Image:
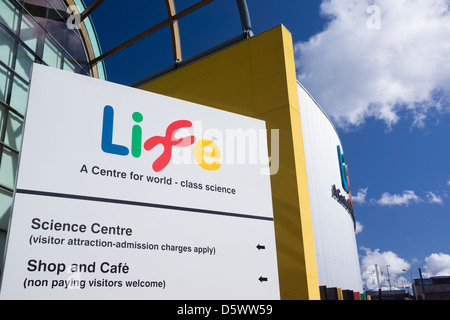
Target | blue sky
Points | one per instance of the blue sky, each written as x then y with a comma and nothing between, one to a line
379,68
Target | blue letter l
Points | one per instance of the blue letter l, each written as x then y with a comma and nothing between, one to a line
107,134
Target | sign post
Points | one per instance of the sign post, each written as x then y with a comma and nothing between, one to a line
126,194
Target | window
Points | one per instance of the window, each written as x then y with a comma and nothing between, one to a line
13,133
19,95
5,208
30,32
24,61
69,64
9,14
2,244
8,167
2,117
6,47
4,83
51,56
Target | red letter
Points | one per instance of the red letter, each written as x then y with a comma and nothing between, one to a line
168,141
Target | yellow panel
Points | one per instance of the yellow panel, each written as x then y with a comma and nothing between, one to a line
340,294
257,78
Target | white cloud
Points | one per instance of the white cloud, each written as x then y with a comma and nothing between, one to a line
395,264
437,264
355,71
432,198
359,227
360,196
448,182
404,199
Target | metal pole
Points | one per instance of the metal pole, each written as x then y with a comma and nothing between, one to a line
174,30
389,278
90,9
245,18
423,287
412,285
378,280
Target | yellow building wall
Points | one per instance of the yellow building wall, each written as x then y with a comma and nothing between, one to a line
257,78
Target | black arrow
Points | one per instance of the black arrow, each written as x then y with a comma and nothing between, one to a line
262,279
260,247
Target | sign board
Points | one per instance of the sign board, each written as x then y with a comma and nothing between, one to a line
126,194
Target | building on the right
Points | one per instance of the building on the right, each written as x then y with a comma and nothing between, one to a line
394,294
433,288
332,213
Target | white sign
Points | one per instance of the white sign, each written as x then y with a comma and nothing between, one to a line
126,194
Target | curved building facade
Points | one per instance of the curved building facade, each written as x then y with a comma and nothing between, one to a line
34,31
330,199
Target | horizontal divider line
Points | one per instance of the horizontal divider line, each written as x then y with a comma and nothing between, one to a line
139,204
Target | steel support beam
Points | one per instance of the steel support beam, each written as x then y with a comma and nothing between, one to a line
245,18
90,9
174,30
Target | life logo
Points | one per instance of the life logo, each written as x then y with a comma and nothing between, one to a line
343,168
169,141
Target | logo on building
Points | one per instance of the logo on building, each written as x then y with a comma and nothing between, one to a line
343,169
336,193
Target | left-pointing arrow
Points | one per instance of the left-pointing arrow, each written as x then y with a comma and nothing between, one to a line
262,279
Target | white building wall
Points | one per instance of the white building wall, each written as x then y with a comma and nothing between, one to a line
333,227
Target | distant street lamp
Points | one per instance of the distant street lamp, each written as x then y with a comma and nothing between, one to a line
412,283
389,278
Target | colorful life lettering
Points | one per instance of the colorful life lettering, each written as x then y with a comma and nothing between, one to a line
343,168
168,142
